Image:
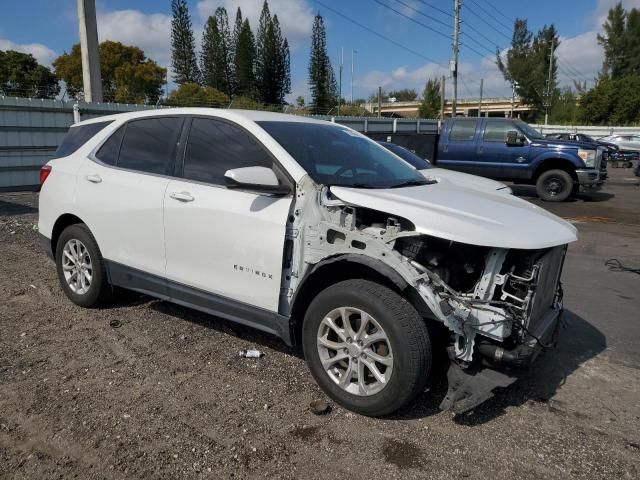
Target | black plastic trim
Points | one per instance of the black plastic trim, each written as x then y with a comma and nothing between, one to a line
211,303
45,245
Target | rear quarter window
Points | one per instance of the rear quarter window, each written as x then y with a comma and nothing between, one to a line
78,136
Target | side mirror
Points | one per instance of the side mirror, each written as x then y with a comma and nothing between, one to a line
513,138
257,179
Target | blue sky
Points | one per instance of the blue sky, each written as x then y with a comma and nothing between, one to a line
378,62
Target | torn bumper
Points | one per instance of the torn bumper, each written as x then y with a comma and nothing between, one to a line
471,386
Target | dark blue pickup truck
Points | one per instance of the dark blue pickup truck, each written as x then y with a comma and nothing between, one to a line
509,149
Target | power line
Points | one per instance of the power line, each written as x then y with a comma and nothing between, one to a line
466,35
444,12
491,42
508,27
488,24
424,25
377,34
423,14
499,11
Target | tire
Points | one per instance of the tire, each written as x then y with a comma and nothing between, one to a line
554,185
406,342
89,293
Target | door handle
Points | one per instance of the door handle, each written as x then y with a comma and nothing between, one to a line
445,148
182,196
94,178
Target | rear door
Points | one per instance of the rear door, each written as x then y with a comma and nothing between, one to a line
457,146
121,191
500,160
225,243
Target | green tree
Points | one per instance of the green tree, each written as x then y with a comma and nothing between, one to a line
183,46
194,95
127,74
564,107
216,60
22,76
322,80
245,59
272,66
404,95
431,98
613,42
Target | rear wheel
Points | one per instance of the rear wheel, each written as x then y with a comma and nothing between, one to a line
366,346
554,185
80,267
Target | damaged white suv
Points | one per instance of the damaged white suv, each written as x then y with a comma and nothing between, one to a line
310,231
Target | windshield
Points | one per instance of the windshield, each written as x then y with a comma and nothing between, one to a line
530,132
336,155
407,155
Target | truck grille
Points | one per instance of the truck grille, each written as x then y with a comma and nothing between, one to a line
549,270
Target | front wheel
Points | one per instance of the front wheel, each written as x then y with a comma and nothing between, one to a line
554,185
366,346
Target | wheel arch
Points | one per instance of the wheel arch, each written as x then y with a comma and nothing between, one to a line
555,164
62,222
346,267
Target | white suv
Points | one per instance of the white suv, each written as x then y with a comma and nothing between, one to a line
312,232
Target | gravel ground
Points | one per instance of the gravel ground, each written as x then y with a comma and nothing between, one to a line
165,395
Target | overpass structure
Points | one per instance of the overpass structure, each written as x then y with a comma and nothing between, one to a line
468,107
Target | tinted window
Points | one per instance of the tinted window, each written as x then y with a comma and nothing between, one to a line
215,146
463,130
149,145
407,155
335,155
497,131
78,136
109,150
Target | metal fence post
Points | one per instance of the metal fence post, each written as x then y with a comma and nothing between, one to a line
76,112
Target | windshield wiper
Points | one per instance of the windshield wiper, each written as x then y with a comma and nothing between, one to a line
414,183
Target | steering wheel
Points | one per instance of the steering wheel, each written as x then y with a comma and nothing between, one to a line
341,170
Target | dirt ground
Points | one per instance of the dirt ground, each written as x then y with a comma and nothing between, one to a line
165,395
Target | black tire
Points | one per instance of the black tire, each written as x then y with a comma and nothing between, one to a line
99,291
405,329
554,185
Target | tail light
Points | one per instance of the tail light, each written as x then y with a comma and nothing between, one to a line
44,173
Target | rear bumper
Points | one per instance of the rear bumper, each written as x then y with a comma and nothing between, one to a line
591,179
45,245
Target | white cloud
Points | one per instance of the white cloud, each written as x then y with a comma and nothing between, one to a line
603,6
579,57
150,32
42,53
295,16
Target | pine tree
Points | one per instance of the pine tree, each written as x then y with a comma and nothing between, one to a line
210,46
245,56
322,80
183,47
224,59
613,42
273,79
430,105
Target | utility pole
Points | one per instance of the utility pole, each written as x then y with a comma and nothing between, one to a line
353,52
442,101
92,83
379,101
548,93
454,62
341,62
480,102
513,95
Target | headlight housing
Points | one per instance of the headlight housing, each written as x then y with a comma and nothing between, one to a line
588,157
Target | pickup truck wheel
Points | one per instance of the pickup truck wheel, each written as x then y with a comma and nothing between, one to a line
80,267
554,185
366,346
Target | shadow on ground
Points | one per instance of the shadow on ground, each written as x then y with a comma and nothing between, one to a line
529,192
8,209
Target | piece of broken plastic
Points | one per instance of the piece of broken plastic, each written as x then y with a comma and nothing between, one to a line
251,353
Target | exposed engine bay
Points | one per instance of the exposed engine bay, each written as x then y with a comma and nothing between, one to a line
499,304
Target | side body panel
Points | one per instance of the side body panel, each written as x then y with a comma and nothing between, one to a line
460,155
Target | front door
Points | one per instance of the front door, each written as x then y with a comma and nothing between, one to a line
224,242
457,148
499,159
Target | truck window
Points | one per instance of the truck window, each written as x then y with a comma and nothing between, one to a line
495,131
463,130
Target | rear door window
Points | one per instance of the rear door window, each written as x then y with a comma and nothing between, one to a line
463,130
78,136
110,149
149,145
215,146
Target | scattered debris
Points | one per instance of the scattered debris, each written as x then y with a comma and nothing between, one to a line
250,353
115,323
633,445
33,286
320,407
